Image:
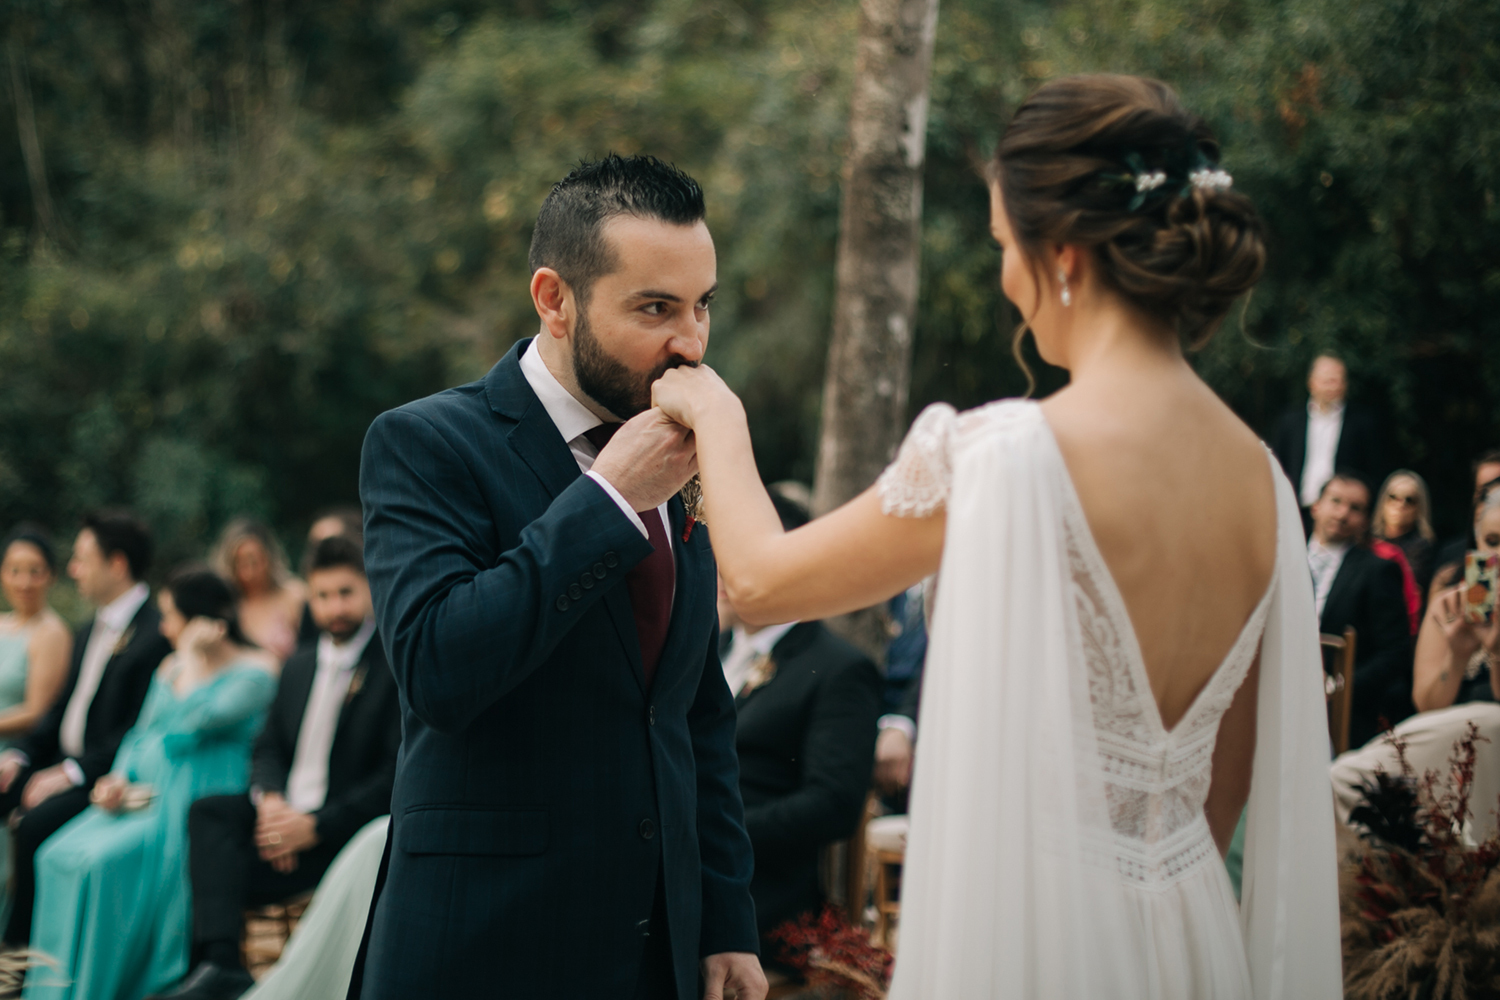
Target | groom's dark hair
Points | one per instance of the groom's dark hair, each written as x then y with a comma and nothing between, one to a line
569,233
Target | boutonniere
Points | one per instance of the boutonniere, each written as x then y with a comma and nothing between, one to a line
123,641
762,672
692,500
355,683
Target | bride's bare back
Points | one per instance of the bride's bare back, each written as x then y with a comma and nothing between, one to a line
1178,496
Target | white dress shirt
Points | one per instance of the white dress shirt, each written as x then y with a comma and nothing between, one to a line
110,625
1323,430
307,782
745,648
572,420
1324,562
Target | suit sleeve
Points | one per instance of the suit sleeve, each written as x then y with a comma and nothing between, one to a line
340,818
727,857
440,581
97,761
271,758
838,756
1386,635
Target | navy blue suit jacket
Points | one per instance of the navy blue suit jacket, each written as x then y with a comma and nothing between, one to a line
541,785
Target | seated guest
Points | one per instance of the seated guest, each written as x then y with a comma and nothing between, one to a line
904,657
323,768
1454,684
1403,517
345,520
1449,559
35,643
1354,586
270,597
111,885
806,703
51,770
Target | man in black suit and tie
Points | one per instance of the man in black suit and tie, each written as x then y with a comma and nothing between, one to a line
1354,586
51,771
566,820
322,768
807,703
1327,433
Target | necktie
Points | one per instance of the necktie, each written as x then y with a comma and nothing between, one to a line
651,581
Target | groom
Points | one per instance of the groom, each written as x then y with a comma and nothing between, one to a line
566,820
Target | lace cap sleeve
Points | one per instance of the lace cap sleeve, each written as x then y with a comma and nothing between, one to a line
916,483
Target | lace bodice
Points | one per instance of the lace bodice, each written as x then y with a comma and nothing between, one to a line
1156,781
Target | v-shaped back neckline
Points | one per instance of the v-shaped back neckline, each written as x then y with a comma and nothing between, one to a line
1120,612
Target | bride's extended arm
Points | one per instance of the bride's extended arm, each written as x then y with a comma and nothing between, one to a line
852,558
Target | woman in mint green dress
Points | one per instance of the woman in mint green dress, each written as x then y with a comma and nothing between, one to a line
112,903
35,648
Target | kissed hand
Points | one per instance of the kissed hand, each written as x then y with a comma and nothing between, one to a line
685,394
648,459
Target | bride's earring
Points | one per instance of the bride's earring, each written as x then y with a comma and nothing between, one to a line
1067,295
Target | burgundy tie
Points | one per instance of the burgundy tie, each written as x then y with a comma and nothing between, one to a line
652,580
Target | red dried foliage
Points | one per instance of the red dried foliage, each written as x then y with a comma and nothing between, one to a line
1419,902
831,953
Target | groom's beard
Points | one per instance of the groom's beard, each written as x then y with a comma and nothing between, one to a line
607,380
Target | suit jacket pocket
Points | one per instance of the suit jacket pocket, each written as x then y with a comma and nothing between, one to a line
502,832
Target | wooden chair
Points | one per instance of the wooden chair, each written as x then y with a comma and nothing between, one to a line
1338,685
266,931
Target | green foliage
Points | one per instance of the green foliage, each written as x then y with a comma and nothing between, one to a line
275,221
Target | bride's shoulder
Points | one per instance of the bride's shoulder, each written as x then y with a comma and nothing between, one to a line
918,481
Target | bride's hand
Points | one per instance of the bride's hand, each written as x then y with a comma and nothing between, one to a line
685,394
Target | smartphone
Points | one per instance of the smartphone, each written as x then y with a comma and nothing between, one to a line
1480,572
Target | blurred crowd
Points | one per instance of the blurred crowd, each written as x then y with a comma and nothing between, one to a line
213,746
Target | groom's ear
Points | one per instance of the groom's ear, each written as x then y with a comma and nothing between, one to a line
554,301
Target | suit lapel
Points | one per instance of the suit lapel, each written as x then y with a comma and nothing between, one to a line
1343,582
693,564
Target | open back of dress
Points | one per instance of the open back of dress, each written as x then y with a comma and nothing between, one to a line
1059,846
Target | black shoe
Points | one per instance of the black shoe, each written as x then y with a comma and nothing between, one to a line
209,982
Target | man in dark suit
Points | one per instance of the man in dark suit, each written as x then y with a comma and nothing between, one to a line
51,771
1327,433
566,820
807,702
322,768
1354,586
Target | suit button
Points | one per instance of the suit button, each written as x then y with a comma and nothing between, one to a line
651,716
587,581
575,591
599,571
563,603
611,560
648,829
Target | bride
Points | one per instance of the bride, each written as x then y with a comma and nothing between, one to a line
1124,651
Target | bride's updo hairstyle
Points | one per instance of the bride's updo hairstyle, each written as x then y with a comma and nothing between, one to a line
1117,164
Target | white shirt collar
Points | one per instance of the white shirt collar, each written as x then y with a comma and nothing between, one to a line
569,416
118,614
1316,414
1315,545
765,640
344,656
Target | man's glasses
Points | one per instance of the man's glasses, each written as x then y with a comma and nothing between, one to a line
1405,501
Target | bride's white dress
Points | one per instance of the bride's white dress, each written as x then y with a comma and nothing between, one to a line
1058,845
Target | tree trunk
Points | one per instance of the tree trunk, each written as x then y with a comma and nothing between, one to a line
869,360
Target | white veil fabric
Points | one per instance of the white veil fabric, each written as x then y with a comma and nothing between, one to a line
1011,887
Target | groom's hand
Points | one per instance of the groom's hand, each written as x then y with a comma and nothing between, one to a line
648,459
733,974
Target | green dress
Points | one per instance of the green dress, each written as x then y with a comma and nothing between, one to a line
14,657
112,902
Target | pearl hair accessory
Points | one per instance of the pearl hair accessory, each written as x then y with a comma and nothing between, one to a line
1151,181
1211,179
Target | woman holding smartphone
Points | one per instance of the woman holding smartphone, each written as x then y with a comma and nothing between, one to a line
1455,681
